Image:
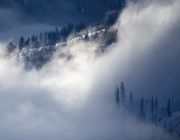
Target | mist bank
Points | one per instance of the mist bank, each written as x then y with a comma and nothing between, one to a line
75,99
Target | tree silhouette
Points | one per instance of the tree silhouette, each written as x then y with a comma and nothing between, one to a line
11,47
122,89
169,107
131,100
152,109
156,109
142,112
21,43
117,95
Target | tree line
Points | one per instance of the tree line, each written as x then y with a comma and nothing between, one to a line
47,38
146,109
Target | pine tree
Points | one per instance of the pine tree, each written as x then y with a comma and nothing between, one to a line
152,109
131,100
122,88
142,113
21,43
11,47
156,109
41,38
117,95
46,38
27,42
169,107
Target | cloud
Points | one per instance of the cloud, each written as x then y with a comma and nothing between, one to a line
74,99
150,34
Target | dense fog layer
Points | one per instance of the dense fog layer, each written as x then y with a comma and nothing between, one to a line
74,99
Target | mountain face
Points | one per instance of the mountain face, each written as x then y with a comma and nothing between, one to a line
71,15
56,11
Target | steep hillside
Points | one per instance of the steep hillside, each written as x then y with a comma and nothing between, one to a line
172,124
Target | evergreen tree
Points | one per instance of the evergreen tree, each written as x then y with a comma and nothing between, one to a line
131,100
27,42
41,37
11,47
46,38
122,88
169,107
152,109
79,27
21,43
156,109
142,113
117,95
65,31
57,34
33,39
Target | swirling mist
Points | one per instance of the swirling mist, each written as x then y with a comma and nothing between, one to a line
73,99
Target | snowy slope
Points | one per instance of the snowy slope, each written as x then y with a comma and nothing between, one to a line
172,124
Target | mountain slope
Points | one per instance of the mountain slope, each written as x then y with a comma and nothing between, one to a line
172,124
53,10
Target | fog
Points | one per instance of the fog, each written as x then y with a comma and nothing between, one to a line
74,99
